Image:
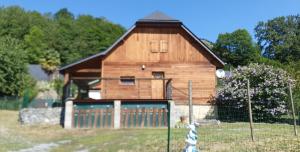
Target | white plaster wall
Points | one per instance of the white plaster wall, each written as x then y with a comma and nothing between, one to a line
199,112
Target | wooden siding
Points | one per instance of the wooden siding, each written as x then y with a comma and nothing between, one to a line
182,60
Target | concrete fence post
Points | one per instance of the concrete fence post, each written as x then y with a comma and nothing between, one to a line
117,114
68,114
172,114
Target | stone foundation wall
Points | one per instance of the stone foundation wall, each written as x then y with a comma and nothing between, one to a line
33,116
199,112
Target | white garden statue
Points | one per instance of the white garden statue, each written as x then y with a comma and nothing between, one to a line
191,138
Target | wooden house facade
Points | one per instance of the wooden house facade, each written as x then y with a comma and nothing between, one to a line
152,61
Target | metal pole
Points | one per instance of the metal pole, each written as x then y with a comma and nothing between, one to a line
190,102
250,109
169,126
293,109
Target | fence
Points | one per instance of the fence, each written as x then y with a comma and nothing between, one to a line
96,115
145,116
10,103
131,114
247,126
100,118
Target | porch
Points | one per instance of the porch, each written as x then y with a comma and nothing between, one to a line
89,89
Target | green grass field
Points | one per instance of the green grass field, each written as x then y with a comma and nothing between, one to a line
226,137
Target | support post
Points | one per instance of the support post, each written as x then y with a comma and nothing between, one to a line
68,114
117,114
293,109
169,126
190,102
65,87
250,110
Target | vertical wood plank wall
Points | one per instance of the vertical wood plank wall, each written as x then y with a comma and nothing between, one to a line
184,60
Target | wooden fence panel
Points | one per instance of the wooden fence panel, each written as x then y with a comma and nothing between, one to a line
96,118
142,117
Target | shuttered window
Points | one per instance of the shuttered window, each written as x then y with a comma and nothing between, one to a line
154,46
158,46
163,46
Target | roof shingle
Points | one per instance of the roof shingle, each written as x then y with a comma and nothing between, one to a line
158,16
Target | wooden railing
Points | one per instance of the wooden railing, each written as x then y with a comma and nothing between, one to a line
139,88
117,88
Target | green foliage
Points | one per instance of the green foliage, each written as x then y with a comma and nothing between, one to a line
50,60
268,91
83,36
279,38
236,48
13,67
35,45
208,43
294,69
72,37
58,84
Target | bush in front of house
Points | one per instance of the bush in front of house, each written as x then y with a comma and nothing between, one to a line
268,91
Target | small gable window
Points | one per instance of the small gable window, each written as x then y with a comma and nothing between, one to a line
127,80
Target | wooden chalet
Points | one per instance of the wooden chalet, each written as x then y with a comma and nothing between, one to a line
153,61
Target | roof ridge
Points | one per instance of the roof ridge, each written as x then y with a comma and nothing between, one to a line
157,16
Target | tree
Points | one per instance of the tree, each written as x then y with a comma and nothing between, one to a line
35,45
279,38
50,61
14,22
63,14
268,91
13,67
208,43
73,37
236,48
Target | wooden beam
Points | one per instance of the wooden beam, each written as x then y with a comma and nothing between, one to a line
85,78
66,78
88,71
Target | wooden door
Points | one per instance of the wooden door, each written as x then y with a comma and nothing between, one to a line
157,85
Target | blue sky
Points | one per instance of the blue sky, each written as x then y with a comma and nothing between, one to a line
205,18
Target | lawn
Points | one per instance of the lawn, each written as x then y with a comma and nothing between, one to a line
226,137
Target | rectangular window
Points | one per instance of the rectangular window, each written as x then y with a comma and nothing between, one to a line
154,46
127,80
163,46
158,75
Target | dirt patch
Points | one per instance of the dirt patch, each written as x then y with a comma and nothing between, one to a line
44,147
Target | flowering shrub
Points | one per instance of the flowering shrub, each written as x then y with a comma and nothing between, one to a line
268,91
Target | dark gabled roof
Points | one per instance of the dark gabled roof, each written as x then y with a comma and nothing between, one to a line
37,72
157,16
154,17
